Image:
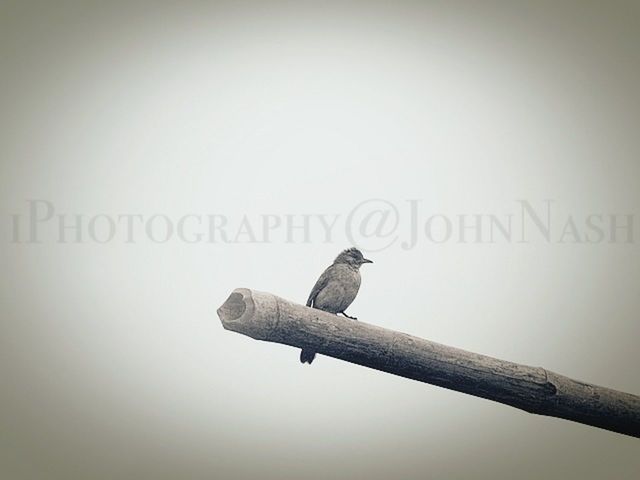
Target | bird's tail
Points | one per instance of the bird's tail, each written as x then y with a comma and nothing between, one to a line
307,356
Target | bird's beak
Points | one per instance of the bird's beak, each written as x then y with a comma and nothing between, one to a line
366,260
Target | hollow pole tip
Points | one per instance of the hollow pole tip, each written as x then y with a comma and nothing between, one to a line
235,306
250,312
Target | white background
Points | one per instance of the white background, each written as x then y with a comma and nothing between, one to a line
113,361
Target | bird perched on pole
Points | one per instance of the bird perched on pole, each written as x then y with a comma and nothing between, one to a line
336,288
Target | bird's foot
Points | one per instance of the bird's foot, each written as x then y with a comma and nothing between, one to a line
348,316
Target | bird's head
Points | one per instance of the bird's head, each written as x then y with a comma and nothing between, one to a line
352,257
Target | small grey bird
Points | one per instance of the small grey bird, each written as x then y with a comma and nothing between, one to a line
336,288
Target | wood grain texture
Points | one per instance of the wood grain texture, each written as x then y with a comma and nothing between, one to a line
264,316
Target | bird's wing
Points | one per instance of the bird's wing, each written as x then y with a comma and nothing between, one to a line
320,284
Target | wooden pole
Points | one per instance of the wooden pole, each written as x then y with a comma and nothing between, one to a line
264,316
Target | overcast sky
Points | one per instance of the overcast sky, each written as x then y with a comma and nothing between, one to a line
221,122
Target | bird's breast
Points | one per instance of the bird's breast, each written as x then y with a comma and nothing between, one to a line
340,290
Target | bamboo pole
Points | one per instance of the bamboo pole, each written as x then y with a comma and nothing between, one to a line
264,316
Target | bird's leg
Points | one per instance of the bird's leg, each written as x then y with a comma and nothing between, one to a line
348,316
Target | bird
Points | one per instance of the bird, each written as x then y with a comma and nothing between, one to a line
336,289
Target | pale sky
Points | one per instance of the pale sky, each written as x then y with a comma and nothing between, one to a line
114,362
